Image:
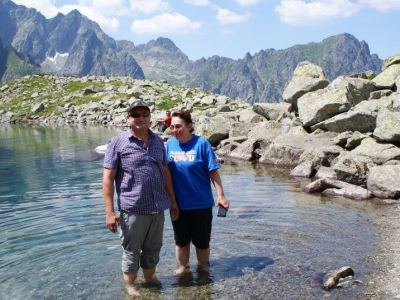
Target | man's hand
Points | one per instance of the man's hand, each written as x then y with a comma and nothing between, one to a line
112,221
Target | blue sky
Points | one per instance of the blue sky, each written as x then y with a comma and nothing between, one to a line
231,28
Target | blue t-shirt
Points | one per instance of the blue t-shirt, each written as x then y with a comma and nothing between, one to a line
190,164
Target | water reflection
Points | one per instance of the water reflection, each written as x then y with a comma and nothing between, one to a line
275,242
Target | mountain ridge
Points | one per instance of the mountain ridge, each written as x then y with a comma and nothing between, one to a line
261,77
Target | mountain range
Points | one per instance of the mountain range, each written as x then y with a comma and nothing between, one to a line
73,45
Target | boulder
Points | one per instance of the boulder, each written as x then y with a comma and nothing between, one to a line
213,129
304,169
37,107
286,149
272,111
248,116
391,60
387,126
380,153
326,172
337,188
341,94
383,181
353,166
387,78
362,120
307,77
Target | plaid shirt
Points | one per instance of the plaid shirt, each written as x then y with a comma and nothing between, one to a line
139,181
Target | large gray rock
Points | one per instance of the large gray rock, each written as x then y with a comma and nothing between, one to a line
286,149
249,116
387,126
307,77
380,153
362,120
238,129
391,60
304,169
387,78
259,138
338,97
332,187
272,111
37,108
326,172
353,167
383,181
214,129
355,140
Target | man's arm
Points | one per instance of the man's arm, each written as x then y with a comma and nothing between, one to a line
112,219
174,210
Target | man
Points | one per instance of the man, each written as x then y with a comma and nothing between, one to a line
163,124
135,160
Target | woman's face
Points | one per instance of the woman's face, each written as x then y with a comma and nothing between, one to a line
180,129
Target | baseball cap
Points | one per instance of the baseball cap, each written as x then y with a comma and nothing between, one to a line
138,103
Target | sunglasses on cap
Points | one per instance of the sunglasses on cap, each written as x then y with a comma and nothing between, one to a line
135,114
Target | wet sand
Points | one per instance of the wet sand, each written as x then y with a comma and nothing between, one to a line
385,284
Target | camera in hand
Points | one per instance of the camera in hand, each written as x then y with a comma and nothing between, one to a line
221,211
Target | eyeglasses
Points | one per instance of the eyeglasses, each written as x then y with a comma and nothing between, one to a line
144,114
177,126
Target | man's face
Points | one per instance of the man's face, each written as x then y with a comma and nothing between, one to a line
139,118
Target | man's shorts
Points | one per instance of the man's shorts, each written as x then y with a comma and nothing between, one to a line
141,238
193,226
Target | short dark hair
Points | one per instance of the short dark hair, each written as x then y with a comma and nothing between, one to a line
185,116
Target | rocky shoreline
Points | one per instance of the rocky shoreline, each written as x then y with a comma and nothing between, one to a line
344,134
385,283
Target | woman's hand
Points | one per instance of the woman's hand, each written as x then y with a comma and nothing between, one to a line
174,211
221,200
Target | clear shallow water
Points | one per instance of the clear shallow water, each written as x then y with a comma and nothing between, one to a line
275,242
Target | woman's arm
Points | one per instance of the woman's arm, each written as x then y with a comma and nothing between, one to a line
216,180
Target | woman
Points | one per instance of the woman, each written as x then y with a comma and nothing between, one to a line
193,163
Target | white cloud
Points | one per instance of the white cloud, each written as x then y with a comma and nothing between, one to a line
298,12
247,2
226,31
198,2
225,16
106,7
45,7
107,24
382,5
96,10
165,23
149,6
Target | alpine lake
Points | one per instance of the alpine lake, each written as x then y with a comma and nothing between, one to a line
275,243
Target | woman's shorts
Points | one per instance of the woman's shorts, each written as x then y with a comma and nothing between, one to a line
193,226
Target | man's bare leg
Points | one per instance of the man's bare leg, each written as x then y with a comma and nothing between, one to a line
182,258
129,279
203,258
150,276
